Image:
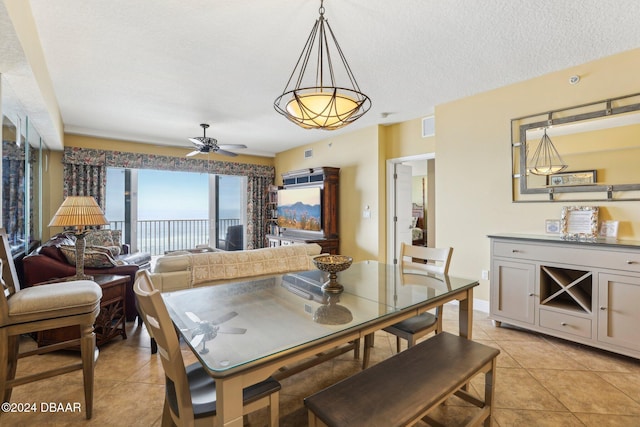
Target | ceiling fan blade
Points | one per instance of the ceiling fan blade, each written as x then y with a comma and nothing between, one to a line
193,153
230,315
196,141
196,340
231,146
226,153
226,330
194,317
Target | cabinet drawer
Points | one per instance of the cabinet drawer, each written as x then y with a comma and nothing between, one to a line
113,292
570,254
566,323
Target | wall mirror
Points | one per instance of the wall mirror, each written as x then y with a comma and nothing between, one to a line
598,143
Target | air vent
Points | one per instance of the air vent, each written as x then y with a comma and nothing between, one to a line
308,154
428,126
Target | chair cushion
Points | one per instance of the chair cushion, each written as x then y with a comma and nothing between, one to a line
53,300
203,391
417,323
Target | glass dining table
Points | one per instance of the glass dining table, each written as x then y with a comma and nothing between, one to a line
244,332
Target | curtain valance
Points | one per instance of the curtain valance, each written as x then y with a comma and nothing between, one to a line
121,159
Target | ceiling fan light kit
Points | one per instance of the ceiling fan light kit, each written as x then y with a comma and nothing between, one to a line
322,104
205,144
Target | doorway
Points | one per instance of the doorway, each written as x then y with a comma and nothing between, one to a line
410,203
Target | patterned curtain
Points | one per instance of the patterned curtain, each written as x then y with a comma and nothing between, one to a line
86,180
13,203
95,163
256,210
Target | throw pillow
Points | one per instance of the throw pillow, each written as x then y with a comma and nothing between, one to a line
105,238
94,257
99,238
116,235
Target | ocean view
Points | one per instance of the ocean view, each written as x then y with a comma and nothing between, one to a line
173,207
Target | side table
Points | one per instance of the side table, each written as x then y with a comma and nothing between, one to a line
111,319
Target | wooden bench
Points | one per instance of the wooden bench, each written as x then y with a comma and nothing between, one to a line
403,389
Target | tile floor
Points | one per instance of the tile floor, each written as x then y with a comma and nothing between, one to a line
541,381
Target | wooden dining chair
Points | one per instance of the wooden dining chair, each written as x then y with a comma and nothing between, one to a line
418,259
40,308
190,393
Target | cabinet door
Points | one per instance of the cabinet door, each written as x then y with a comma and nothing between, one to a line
512,290
618,310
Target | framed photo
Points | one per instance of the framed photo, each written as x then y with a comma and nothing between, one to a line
579,222
552,226
572,178
609,229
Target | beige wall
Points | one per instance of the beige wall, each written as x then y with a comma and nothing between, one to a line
473,174
473,185
358,155
472,146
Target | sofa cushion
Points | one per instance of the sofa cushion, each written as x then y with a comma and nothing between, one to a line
105,238
94,257
231,265
173,262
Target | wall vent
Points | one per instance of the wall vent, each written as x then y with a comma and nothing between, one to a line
428,126
308,153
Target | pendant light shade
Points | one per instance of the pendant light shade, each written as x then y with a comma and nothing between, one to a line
314,100
546,160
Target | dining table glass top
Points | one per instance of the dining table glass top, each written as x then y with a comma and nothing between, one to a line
235,324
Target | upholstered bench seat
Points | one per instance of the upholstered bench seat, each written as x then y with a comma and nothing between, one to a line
404,388
53,300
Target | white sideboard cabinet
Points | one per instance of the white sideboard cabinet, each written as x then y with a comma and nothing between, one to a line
587,292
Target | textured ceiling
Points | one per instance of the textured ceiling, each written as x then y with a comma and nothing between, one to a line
151,71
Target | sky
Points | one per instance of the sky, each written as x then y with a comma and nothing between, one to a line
172,195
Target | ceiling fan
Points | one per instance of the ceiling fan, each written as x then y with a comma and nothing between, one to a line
208,330
210,145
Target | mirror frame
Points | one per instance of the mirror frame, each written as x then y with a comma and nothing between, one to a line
519,128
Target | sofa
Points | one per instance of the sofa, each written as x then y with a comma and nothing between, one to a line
56,259
182,270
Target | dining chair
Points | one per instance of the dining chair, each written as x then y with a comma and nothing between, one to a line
40,308
190,393
417,259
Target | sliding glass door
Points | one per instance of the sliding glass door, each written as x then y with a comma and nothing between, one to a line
161,211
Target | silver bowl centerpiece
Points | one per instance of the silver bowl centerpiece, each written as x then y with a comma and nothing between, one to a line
332,264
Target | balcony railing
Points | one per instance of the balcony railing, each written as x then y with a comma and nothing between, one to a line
159,236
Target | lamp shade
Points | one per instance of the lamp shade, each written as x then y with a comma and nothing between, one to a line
78,211
324,110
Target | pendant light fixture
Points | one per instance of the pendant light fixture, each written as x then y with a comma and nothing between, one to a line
317,101
546,160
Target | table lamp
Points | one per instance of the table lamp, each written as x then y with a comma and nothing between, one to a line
79,212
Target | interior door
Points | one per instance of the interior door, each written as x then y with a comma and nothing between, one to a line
402,214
